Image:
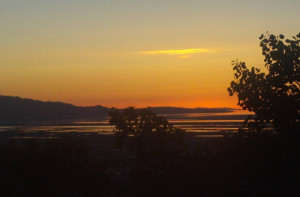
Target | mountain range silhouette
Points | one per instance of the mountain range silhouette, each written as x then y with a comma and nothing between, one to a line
16,109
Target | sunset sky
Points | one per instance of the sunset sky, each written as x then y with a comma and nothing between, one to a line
118,53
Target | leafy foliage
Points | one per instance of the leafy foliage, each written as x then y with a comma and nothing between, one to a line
144,131
275,95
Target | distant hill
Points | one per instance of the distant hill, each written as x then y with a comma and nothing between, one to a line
181,110
24,111
16,109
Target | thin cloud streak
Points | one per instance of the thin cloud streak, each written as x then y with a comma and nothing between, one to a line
177,52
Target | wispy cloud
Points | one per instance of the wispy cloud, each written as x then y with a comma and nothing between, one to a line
183,53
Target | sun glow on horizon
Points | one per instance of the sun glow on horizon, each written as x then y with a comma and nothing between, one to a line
140,53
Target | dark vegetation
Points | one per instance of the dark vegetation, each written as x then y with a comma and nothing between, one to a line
152,137
53,167
152,158
273,96
85,164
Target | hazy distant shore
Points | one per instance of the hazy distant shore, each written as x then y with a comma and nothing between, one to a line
17,111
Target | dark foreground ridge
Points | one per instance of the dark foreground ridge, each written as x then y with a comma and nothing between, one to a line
88,164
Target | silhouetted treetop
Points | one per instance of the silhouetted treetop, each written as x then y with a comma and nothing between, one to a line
145,132
274,95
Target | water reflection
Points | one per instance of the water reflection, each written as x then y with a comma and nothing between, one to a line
191,122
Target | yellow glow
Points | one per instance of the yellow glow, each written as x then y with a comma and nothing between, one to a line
183,56
178,52
130,55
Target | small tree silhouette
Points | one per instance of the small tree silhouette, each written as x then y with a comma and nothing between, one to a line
273,96
145,132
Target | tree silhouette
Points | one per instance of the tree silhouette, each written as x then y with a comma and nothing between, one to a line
275,95
144,131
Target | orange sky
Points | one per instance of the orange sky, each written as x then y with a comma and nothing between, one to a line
141,53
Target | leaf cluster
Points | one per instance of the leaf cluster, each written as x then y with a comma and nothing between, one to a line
275,95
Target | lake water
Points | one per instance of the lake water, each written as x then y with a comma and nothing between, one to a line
206,123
